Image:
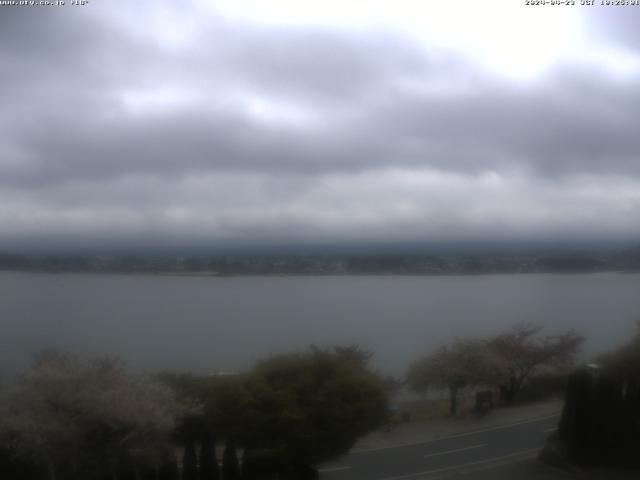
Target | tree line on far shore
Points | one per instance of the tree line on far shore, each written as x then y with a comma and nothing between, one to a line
71,418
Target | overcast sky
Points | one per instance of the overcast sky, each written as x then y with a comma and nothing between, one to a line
176,122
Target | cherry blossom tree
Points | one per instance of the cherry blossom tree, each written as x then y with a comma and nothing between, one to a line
463,364
89,414
525,352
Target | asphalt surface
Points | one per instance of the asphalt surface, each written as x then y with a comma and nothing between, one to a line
459,454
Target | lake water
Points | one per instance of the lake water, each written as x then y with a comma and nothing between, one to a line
206,323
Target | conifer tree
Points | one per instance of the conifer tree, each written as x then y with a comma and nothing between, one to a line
189,462
169,468
230,465
208,461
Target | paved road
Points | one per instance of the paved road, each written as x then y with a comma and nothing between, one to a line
445,456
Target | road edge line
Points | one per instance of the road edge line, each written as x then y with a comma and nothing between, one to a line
464,465
455,435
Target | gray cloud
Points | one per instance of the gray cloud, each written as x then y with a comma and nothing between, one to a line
615,24
292,131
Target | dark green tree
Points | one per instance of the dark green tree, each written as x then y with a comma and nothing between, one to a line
308,408
600,423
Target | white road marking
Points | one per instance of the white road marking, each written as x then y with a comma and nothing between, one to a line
333,469
456,450
458,435
462,465
491,429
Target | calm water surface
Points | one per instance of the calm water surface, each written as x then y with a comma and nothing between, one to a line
205,323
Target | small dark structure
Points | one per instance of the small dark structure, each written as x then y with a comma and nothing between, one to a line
484,402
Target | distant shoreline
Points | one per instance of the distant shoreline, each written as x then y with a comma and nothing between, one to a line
198,274
325,265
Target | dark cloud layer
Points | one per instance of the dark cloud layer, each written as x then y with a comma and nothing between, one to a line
111,123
